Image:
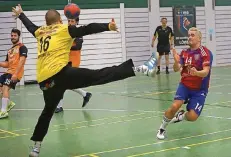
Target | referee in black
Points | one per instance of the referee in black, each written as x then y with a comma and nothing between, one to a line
165,37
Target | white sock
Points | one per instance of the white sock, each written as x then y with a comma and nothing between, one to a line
5,102
182,117
80,91
60,103
165,122
37,145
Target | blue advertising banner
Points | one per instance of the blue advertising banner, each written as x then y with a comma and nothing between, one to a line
184,17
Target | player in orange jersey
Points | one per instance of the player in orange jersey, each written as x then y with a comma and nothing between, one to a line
15,61
75,55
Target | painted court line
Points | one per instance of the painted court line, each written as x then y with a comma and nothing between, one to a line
170,92
109,118
93,109
107,110
120,110
158,93
7,137
175,148
147,94
109,123
115,110
93,155
86,126
9,132
95,120
100,124
217,117
101,119
94,125
156,143
12,136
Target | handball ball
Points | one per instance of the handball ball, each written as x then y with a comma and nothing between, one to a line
72,11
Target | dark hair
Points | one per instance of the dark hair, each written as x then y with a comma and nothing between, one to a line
14,30
77,19
52,16
163,18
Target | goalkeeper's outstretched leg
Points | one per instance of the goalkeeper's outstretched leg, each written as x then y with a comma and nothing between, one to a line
149,67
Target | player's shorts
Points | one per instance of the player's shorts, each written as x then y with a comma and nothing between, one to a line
5,79
75,58
163,49
196,98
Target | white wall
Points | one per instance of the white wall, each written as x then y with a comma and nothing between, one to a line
223,38
137,34
7,22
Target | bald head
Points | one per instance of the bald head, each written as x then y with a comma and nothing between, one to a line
52,16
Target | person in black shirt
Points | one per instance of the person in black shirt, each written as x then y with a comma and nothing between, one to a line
165,42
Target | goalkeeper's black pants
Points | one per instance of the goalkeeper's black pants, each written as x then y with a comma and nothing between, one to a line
73,78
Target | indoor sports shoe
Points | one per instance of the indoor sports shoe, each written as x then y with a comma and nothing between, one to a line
152,62
58,109
10,106
149,67
86,99
35,150
3,114
178,118
140,69
161,134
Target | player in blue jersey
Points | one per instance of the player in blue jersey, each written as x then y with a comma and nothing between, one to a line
195,64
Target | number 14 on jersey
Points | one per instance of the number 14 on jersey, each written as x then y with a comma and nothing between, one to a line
188,61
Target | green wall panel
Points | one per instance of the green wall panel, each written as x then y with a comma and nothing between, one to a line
59,4
33,4
170,3
95,4
223,2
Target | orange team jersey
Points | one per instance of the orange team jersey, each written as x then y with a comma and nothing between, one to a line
13,58
75,52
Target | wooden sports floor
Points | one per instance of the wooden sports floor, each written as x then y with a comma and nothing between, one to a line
121,120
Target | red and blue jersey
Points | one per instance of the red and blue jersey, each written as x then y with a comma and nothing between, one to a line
195,58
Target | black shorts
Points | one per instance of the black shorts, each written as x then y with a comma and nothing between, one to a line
5,79
163,49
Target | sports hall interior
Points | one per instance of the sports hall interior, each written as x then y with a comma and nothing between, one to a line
122,118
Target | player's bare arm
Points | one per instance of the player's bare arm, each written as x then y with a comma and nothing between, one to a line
202,73
22,60
21,63
4,64
171,41
153,41
176,65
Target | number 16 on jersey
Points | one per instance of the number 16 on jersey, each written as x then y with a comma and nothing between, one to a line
44,44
